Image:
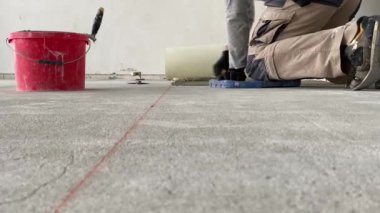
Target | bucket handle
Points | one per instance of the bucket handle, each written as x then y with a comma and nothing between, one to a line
47,61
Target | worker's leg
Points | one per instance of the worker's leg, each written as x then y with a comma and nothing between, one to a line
239,19
281,48
239,15
290,20
315,55
344,14
341,17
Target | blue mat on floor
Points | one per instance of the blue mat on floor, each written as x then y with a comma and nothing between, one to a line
253,84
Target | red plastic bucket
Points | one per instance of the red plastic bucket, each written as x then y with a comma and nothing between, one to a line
49,60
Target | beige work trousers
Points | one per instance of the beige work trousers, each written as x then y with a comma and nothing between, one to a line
304,42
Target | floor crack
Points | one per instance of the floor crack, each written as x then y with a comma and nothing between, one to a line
33,192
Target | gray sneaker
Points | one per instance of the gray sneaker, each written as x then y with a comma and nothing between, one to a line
364,53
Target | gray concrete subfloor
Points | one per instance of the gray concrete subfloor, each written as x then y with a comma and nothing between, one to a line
309,149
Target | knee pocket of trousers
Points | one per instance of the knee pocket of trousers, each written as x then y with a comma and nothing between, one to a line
256,69
270,26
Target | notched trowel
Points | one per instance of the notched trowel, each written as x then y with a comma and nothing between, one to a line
138,80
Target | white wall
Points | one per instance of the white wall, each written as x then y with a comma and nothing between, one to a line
134,34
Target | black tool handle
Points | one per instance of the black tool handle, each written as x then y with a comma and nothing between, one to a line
97,22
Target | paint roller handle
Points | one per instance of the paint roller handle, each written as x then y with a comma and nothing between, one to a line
97,22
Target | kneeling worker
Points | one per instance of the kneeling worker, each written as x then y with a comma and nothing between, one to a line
302,39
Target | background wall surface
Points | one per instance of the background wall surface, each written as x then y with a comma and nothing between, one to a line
134,33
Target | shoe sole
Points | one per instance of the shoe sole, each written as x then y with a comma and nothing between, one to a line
373,75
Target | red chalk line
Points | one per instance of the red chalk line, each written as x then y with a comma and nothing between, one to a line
79,185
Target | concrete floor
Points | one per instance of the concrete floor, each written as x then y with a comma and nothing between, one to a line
309,149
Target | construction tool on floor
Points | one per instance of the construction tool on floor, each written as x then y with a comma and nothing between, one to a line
138,80
251,84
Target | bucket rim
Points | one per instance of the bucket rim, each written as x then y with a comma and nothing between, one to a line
29,34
